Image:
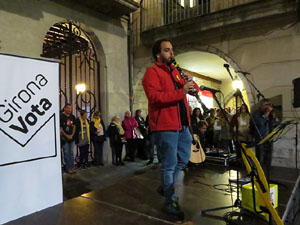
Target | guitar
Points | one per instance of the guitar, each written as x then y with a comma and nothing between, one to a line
197,153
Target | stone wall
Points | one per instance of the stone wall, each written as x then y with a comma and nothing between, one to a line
25,23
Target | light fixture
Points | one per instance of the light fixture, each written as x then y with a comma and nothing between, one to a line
191,3
182,3
237,84
80,88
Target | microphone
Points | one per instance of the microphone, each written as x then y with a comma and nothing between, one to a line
203,88
227,68
239,71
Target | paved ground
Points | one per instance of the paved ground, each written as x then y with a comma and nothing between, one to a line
127,196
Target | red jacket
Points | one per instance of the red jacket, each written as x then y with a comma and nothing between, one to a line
163,99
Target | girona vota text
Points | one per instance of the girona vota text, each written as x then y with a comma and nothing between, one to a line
10,109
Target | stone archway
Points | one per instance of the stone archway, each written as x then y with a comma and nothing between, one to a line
221,54
140,100
82,61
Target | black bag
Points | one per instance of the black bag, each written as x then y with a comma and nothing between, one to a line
100,138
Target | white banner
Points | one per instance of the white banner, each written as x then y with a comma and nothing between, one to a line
29,135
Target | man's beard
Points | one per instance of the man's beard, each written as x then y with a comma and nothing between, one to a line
167,61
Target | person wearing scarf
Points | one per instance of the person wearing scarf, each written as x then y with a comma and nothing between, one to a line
83,138
98,136
116,136
141,142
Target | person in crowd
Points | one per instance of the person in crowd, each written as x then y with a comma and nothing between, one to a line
116,136
129,124
210,129
230,111
152,143
201,132
98,137
216,129
67,131
274,120
195,118
190,110
261,120
141,142
82,138
169,119
224,139
242,119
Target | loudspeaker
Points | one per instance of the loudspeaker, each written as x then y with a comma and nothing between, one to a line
296,83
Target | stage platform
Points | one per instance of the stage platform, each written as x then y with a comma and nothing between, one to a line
127,196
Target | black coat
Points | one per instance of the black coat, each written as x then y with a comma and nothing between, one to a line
93,132
142,125
114,134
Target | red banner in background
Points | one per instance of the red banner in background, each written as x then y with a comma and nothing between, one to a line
206,94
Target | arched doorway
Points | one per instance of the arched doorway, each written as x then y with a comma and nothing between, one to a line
69,43
208,70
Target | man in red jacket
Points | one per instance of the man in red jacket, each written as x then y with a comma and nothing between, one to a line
169,118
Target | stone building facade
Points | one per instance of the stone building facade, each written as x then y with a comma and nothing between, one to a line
260,37
25,24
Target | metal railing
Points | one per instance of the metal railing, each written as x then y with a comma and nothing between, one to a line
156,13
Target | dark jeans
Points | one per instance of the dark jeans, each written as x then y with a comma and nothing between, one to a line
131,148
98,153
153,146
68,149
84,154
141,151
264,156
113,153
116,151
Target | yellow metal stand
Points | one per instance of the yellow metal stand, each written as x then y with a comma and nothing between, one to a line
254,168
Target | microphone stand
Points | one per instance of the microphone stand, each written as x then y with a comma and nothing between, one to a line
238,94
237,202
259,94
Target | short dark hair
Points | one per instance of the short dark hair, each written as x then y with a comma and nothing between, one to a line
82,112
67,104
137,112
202,123
96,113
264,100
156,48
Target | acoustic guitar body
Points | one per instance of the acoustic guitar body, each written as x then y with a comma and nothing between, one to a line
197,153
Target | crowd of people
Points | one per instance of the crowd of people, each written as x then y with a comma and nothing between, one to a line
216,129
172,121
168,127
133,132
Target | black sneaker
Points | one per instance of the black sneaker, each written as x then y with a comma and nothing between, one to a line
150,162
173,209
